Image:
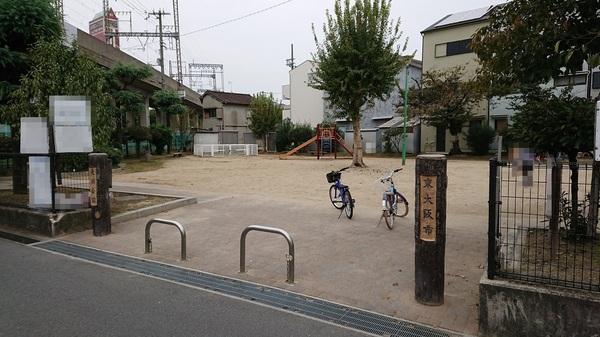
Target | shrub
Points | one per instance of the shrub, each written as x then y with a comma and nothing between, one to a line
161,137
138,134
290,135
115,155
480,138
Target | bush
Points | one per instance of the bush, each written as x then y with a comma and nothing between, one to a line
290,135
115,155
139,133
480,138
161,137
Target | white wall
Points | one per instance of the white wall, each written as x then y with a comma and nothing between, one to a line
307,104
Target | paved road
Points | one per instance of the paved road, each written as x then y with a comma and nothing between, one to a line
44,294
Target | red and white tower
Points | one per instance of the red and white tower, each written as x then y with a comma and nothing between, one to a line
98,29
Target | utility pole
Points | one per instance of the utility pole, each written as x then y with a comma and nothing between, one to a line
160,15
405,115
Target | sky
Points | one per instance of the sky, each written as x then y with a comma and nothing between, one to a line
254,49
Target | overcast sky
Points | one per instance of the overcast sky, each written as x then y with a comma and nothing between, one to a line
253,50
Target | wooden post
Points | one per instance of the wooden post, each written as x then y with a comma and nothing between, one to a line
430,228
100,182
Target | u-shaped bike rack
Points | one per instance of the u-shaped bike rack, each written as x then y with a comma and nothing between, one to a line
148,239
289,257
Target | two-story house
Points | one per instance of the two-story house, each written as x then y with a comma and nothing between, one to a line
227,111
446,44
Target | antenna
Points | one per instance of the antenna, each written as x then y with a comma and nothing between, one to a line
290,62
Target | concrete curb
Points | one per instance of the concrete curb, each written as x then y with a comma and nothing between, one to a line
144,212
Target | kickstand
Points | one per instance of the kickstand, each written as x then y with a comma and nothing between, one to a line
341,211
381,217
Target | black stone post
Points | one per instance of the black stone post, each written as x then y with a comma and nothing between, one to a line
430,228
100,182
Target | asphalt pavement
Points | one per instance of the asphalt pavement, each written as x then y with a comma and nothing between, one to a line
45,294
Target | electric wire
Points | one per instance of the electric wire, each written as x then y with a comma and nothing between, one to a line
238,18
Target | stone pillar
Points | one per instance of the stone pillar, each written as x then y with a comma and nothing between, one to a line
100,183
145,117
430,228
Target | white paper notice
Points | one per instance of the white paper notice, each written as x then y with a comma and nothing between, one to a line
34,135
40,187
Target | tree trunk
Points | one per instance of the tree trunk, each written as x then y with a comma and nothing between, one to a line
455,145
575,225
592,221
170,141
357,155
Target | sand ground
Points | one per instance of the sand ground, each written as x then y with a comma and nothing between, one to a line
355,262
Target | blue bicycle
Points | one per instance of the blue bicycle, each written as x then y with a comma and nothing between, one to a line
339,194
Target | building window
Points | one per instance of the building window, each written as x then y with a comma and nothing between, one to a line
210,113
458,47
563,81
596,80
453,48
501,125
311,78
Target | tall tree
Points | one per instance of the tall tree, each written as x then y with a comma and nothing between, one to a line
168,102
528,42
265,115
58,69
445,99
22,24
358,60
126,100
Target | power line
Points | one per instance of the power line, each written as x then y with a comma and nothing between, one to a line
238,18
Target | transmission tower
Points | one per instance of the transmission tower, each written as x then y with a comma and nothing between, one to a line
177,42
161,34
208,70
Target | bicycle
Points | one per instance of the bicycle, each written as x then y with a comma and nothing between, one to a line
393,202
339,194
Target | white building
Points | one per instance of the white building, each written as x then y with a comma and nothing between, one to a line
307,105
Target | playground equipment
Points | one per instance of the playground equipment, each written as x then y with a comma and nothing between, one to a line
326,138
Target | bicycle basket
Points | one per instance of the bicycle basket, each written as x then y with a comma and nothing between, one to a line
333,176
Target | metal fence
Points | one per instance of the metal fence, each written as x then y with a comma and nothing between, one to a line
65,174
538,233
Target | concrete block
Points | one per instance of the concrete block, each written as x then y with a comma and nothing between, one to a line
509,309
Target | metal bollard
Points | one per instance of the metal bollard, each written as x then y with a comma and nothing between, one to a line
290,257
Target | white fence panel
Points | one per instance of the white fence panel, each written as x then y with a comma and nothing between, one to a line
220,150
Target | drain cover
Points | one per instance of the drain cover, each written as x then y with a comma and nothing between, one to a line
312,307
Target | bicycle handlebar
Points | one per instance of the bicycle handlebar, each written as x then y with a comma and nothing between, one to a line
388,177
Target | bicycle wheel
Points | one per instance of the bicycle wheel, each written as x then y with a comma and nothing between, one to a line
401,206
389,209
349,205
335,197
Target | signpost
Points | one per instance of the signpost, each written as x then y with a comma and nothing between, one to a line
404,135
430,228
